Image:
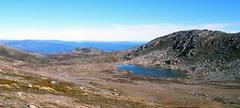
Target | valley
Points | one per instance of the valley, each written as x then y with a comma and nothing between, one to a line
91,79
119,54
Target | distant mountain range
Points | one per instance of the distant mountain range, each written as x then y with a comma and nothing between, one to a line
55,46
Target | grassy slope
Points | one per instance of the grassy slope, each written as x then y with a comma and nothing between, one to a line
9,54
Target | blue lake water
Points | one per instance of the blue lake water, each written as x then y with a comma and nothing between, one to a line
150,71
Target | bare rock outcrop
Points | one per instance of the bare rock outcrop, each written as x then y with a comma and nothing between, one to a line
209,55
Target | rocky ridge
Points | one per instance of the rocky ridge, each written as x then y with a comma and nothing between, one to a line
205,54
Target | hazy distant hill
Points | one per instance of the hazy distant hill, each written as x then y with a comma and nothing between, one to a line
212,55
10,54
54,46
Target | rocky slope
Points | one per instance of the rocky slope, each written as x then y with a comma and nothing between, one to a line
205,54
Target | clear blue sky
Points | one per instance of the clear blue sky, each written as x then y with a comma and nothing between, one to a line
55,14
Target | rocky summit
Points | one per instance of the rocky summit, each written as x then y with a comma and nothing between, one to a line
204,54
